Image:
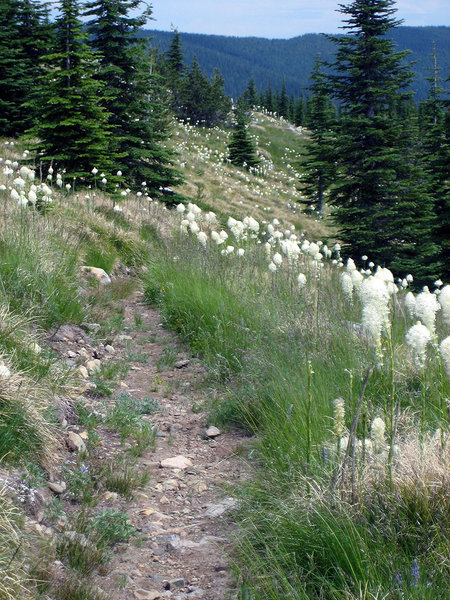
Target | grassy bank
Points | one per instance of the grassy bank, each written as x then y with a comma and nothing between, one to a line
351,498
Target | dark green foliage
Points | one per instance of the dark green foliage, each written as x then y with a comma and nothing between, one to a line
319,165
250,95
283,102
241,149
201,101
132,94
72,129
269,61
25,35
435,155
382,208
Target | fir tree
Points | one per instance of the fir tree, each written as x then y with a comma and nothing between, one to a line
72,130
241,149
319,164
25,35
132,94
378,211
250,95
269,100
435,156
12,69
283,102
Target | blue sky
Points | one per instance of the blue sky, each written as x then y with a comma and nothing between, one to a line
277,18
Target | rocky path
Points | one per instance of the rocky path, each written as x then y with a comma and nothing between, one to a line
181,514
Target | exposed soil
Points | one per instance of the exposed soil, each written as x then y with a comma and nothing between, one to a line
181,514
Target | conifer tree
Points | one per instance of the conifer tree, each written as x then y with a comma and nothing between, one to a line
241,149
319,163
25,35
12,69
435,156
72,130
269,100
132,94
378,211
250,94
283,102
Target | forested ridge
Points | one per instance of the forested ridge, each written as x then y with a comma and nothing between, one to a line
269,60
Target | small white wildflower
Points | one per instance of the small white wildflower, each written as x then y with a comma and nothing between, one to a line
301,280
444,349
119,173
444,301
339,418
417,337
202,238
272,267
347,285
240,252
277,259
377,431
118,209
94,171
426,309
5,373
410,304
409,278
104,180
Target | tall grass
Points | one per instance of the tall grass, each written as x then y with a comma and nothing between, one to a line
321,522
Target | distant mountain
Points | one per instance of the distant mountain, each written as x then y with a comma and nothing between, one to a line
271,60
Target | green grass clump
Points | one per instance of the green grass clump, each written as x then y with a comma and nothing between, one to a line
111,526
121,475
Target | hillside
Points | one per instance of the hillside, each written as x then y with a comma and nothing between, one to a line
269,60
178,389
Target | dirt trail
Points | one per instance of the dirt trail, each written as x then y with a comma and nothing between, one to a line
181,513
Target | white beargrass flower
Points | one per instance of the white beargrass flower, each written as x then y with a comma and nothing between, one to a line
193,226
357,280
426,309
409,278
223,235
190,216
210,217
5,373
119,173
444,301
19,182
32,196
240,252
94,171
301,280
117,209
277,259
410,304
272,267
347,285
372,325
438,283
350,265
180,208
313,249
377,431
417,337
229,249
444,349
202,238
15,195
339,418
194,208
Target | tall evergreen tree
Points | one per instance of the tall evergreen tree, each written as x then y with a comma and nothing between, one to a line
72,130
241,150
378,209
269,100
318,167
132,94
283,102
174,55
25,35
435,156
203,102
250,94
13,70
